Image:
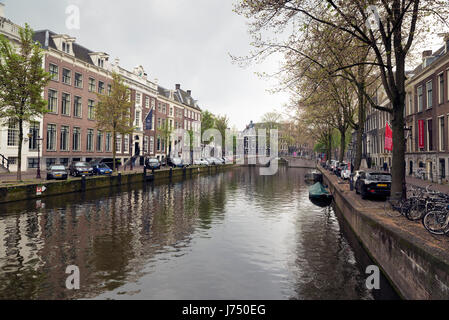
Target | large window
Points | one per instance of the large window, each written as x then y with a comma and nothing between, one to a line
92,85
151,145
100,87
90,140
79,80
429,89
420,99
76,139
108,142
441,133
118,143
65,106
137,120
145,145
441,88
99,141
52,101
77,107
126,143
429,135
66,76
34,132
64,138
91,110
13,133
54,71
51,137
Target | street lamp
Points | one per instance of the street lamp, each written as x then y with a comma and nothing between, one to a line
37,140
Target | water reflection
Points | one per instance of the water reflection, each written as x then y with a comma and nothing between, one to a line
233,235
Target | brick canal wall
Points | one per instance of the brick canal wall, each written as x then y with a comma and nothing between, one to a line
415,262
28,192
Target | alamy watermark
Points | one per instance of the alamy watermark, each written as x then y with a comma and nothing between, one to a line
73,280
73,19
373,280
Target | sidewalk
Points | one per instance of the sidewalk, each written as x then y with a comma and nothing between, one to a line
30,176
424,183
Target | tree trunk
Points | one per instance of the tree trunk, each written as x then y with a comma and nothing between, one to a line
19,155
114,144
398,185
360,130
342,143
329,146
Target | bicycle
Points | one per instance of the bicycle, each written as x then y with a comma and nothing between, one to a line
437,222
395,207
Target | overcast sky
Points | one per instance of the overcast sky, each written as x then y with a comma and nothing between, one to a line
176,41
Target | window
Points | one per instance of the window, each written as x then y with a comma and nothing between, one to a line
91,110
138,98
128,93
90,140
64,138
153,103
79,80
158,143
64,161
13,133
99,141
109,89
410,103
54,71
100,87
50,162
66,76
52,101
137,121
147,102
441,88
76,139
164,109
34,132
159,125
429,89
159,107
65,107
108,142
145,145
429,135
118,143
151,145
420,99
126,143
441,133
77,107
51,137
92,85
171,111
32,163
66,47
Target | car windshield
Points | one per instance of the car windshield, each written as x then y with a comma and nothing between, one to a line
154,161
57,168
176,160
81,164
379,177
103,166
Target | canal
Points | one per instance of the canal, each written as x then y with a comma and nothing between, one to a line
232,235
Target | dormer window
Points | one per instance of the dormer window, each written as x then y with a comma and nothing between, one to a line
66,47
100,63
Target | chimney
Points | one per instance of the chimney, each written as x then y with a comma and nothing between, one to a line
116,61
2,10
178,86
189,93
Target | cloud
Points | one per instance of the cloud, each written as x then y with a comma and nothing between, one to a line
177,41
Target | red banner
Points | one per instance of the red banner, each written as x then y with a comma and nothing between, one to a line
421,134
388,138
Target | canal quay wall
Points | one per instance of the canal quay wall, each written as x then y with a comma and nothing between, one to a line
415,262
52,188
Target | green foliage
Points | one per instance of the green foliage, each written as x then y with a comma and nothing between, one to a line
22,81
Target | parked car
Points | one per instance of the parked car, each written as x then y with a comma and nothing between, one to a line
356,176
345,173
374,183
219,161
200,162
101,168
175,163
333,165
78,169
152,163
339,168
211,161
57,172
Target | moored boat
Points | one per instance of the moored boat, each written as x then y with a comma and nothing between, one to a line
318,192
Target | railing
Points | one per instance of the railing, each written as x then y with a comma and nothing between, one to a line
5,160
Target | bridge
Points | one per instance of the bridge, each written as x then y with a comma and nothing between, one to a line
297,162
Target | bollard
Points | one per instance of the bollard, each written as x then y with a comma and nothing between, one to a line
144,173
171,173
184,172
83,183
119,178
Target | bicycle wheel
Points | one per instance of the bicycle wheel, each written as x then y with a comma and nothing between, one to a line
415,211
392,208
434,222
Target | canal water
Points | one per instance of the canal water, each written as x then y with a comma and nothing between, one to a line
231,235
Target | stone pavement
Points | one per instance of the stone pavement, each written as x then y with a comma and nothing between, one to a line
424,183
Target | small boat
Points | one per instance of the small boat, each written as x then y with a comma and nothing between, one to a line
314,176
319,195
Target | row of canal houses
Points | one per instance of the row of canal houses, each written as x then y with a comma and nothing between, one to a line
69,132
427,120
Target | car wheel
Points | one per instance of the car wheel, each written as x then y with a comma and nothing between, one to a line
364,195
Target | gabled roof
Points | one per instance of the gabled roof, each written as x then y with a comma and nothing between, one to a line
80,52
183,97
436,57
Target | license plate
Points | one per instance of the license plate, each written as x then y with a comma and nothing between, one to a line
58,175
382,185
86,172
